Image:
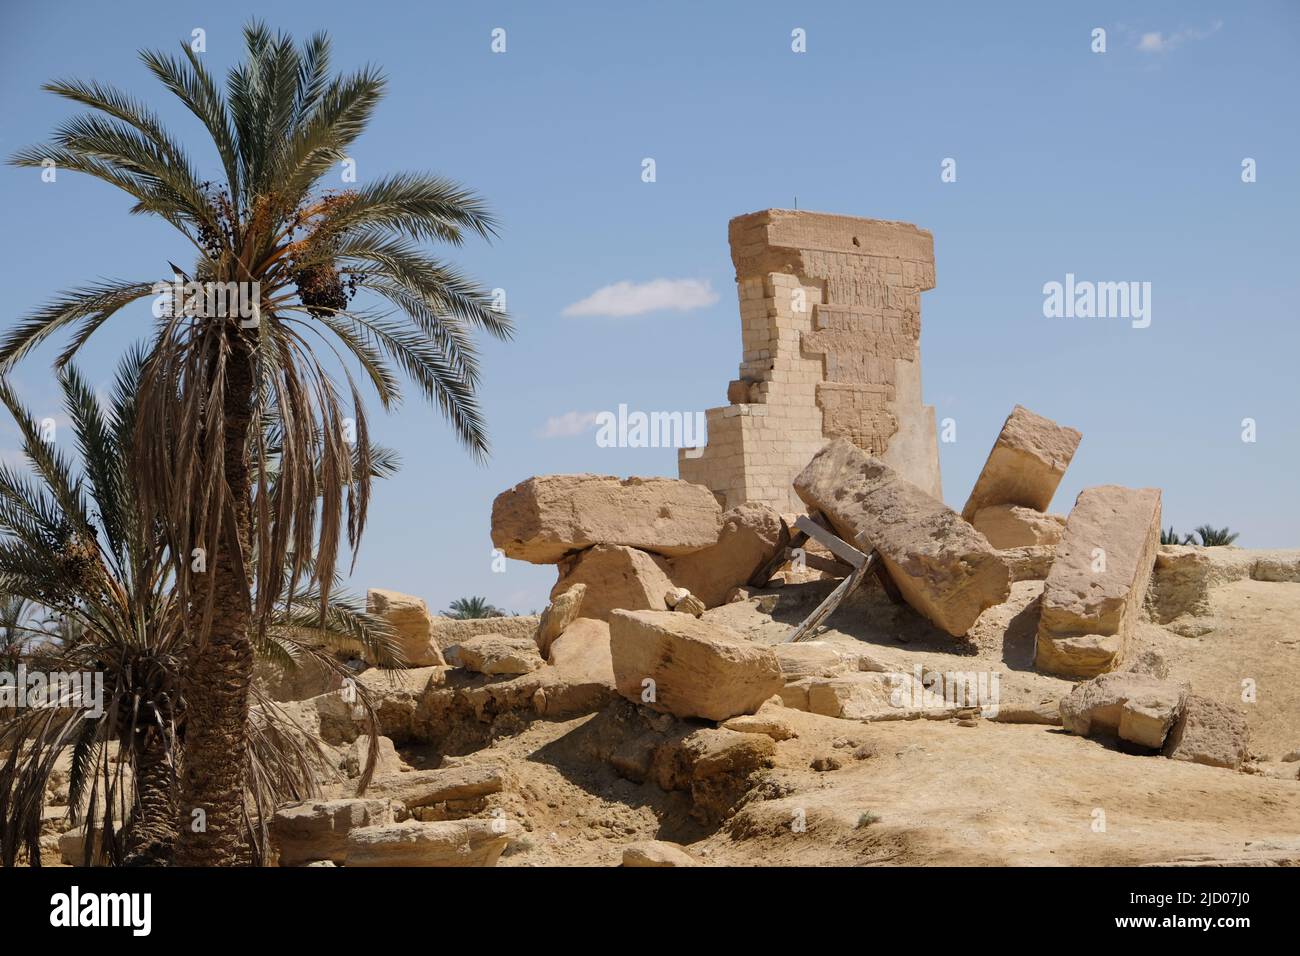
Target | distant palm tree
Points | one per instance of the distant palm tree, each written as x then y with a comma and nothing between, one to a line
18,627
473,607
1172,537
299,250
72,542
1212,537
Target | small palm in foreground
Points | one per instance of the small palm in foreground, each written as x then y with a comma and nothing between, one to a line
72,543
464,609
1212,537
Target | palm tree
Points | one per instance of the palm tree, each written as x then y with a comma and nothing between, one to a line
1212,537
1172,537
471,607
299,252
72,542
17,617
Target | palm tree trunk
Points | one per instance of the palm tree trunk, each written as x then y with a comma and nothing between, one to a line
219,671
153,831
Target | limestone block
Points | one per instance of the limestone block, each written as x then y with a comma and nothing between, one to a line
1138,708
443,843
1098,581
1014,526
564,609
412,623
547,517
318,830
616,577
1209,732
1025,465
697,669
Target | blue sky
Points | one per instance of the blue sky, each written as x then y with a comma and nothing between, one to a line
1118,166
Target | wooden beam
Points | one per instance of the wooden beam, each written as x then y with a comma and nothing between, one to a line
824,610
835,544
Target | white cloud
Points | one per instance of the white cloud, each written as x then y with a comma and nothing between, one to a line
568,425
1157,42
636,298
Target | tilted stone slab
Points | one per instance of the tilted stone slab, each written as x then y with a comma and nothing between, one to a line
698,669
944,568
545,518
1025,465
1098,581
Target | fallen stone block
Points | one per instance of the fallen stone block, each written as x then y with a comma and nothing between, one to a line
412,623
1138,708
1013,526
684,602
1028,564
396,696
1026,464
543,519
318,830
750,536
944,568
1047,712
677,664
1209,732
387,759
442,843
1098,580
656,853
564,609
616,577
495,654
824,659
424,788
767,722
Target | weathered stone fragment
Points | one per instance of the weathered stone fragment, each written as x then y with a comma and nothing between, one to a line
564,608
442,843
545,518
1209,732
944,568
410,618
1013,526
616,577
1026,464
656,853
749,538
319,830
1098,580
495,654
424,788
696,669
1138,708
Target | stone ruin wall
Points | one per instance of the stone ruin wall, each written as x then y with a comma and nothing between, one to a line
830,312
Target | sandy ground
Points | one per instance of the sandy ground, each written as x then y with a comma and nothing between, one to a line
936,792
